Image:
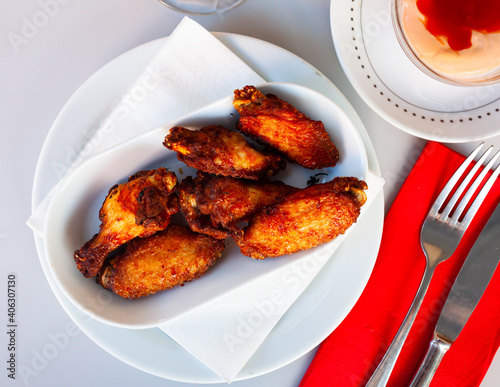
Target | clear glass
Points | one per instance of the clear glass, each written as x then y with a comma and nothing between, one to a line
479,65
201,7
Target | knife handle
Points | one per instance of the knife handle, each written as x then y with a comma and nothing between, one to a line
435,353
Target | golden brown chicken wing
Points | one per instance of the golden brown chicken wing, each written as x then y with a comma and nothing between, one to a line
137,208
215,149
215,204
304,219
166,259
229,201
277,123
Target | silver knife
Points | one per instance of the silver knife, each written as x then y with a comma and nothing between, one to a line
469,286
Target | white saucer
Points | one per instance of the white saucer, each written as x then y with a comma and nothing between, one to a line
315,314
388,82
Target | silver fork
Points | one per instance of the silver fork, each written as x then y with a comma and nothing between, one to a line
440,235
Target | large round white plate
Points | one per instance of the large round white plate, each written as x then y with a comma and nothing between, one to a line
391,85
316,313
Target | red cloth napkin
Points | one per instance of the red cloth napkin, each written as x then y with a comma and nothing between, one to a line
351,353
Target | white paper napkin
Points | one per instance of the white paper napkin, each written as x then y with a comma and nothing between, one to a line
226,333
192,69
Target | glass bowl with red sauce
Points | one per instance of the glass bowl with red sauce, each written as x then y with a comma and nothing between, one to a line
453,41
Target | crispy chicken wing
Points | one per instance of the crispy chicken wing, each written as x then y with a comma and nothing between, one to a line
277,123
196,220
229,201
166,259
215,204
304,219
215,149
137,208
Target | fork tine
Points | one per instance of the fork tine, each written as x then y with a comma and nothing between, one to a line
480,197
453,181
460,190
470,193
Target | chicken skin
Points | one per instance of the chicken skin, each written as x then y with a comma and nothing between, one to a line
229,201
215,204
137,208
166,259
195,219
277,123
304,219
215,149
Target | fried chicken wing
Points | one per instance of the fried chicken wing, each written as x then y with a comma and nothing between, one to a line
196,220
166,259
215,204
277,123
137,208
215,149
229,201
304,219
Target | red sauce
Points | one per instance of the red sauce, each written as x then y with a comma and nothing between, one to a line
456,19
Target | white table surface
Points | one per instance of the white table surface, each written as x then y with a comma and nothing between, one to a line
39,74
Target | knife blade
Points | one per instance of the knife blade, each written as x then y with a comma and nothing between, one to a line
467,290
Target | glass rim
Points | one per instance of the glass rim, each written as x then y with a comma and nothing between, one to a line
186,11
